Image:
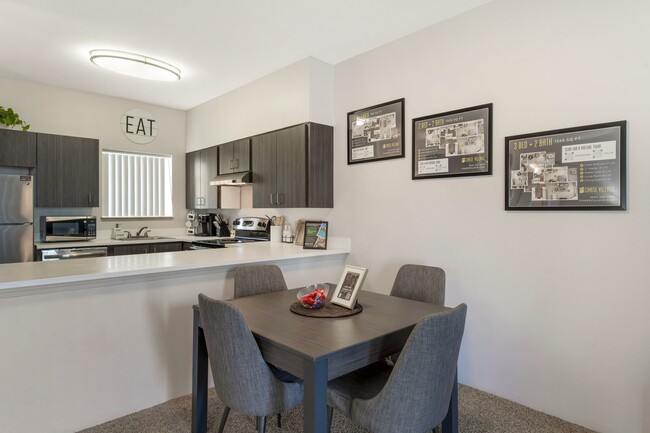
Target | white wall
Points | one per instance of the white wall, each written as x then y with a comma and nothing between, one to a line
557,301
66,112
299,93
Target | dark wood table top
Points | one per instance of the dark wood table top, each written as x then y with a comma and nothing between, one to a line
309,338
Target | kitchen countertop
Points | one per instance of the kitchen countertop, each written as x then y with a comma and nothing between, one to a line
20,279
109,242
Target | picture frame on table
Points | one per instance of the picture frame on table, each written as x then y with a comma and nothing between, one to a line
315,235
376,133
347,290
580,168
453,143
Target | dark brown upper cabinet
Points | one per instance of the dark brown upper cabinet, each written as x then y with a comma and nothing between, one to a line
201,167
293,167
17,148
67,171
235,156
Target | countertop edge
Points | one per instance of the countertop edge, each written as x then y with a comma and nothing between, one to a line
45,277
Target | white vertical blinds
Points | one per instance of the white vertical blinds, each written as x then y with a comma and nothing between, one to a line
136,184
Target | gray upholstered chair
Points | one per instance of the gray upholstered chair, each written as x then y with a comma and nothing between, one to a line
420,283
413,396
242,379
258,279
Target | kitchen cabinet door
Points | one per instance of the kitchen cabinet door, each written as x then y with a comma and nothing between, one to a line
126,250
264,170
291,168
320,166
209,170
193,180
201,167
235,156
165,247
67,171
17,148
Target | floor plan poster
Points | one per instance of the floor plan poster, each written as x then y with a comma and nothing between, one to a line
574,169
376,132
454,143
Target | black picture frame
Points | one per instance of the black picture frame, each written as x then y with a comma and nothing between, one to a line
376,133
453,143
315,235
579,168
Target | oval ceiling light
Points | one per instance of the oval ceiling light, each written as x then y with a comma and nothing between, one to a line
135,65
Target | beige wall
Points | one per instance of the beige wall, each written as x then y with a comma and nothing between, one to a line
66,112
299,93
558,301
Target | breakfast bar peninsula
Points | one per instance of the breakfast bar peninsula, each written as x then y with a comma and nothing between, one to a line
86,341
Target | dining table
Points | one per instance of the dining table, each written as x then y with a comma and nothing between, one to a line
317,349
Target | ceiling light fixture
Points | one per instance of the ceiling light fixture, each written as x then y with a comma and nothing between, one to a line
135,65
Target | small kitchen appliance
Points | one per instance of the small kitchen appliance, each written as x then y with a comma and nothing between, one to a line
205,226
68,228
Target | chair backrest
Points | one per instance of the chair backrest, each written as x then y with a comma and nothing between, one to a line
420,283
242,379
258,279
416,396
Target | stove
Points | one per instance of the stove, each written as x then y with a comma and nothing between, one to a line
251,229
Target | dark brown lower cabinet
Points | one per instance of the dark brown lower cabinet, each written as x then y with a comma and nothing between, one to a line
163,247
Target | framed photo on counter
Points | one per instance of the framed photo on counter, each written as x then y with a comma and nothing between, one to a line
454,143
376,132
315,235
347,290
581,168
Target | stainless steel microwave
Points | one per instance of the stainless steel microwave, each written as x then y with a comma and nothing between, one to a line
68,228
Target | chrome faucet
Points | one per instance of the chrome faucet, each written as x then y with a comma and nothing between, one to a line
141,230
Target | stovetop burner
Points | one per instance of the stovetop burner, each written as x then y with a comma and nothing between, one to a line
221,243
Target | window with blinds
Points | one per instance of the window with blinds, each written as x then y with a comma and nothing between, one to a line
136,185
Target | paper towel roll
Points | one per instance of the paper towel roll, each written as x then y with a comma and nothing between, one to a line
276,234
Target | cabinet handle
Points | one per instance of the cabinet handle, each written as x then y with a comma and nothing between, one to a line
230,163
278,195
236,163
89,199
271,197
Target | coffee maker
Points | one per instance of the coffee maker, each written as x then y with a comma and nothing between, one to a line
205,225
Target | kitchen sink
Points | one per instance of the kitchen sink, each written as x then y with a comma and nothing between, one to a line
144,238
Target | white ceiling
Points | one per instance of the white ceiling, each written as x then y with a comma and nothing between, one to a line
219,45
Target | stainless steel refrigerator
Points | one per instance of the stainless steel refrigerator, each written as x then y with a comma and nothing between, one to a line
16,218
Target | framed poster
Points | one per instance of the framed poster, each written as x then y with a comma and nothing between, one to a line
347,290
376,132
581,168
455,143
315,237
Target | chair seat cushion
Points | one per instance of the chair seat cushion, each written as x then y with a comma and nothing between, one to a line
364,383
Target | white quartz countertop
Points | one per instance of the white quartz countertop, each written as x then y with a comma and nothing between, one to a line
18,277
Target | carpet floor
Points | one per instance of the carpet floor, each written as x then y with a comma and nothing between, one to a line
479,412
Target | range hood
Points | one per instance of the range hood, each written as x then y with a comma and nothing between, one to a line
233,179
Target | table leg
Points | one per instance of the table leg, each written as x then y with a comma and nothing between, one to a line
199,378
315,403
450,423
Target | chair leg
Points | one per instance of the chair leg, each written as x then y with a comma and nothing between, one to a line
279,420
261,424
330,415
224,417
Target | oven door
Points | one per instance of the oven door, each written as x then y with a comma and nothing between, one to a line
73,253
